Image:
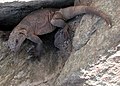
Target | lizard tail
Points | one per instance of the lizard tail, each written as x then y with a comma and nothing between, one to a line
73,11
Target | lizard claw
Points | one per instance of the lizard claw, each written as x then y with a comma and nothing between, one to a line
35,56
30,49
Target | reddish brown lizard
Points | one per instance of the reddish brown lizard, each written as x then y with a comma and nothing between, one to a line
44,21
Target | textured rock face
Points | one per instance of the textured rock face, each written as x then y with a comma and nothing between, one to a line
92,39
12,12
93,43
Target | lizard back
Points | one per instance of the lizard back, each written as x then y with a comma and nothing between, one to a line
38,21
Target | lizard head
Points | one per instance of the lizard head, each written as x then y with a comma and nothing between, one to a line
16,38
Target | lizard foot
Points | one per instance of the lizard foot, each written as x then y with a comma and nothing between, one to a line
31,50
60,40
38,50
63,34
35,53
35,57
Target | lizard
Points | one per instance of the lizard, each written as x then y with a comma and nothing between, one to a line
46,20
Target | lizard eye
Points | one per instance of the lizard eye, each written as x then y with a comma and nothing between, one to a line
16,41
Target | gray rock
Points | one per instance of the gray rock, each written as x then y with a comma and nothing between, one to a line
12,12
92,39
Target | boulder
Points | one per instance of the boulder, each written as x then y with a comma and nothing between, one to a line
94,56
92,40
12,12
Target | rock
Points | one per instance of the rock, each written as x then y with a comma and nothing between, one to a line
12,12
92,39
83,2
18,69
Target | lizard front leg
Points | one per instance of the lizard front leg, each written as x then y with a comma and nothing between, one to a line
38,41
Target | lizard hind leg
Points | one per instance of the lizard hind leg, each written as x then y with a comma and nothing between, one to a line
59,21
64,45
39,47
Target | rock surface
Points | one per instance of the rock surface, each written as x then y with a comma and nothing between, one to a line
12,12
92,39
93,42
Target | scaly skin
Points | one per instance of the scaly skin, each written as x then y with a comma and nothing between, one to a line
44,21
